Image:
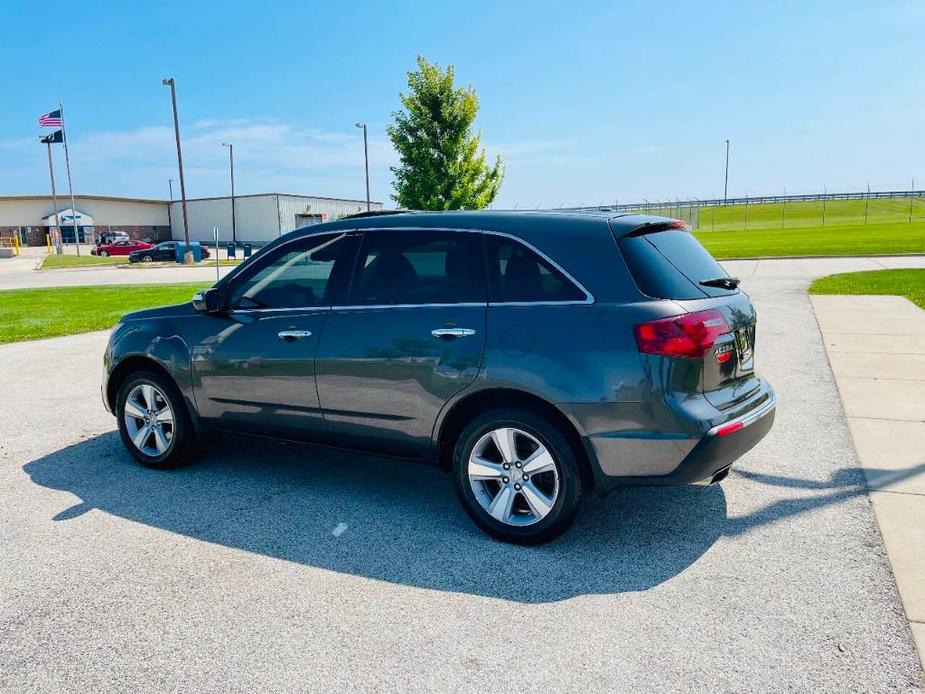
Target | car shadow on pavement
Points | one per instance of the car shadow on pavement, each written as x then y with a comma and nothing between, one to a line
384,519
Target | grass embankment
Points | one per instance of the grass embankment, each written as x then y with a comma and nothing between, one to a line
32,314
53,262
808,214
907,283
870,239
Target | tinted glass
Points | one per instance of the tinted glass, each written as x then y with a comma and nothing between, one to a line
670,265
293,278
419,267
516,273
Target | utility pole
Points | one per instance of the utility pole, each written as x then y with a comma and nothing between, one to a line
234,228
726,183
169,205
366,158
188,255
866,202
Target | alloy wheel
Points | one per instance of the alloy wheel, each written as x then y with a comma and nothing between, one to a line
513,476
149,420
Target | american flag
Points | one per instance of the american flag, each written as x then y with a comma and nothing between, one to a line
52,119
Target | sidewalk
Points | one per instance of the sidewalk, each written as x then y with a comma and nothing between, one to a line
876,346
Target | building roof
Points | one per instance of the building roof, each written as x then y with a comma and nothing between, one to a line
116,198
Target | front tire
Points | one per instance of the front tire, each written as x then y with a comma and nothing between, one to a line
154,424
517,476
104,254
147,259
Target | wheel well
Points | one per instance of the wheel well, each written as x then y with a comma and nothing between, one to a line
124,368
470,407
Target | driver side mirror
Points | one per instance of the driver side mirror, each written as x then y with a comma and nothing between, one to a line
208,301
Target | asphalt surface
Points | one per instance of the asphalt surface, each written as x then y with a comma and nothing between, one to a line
20,273
274,567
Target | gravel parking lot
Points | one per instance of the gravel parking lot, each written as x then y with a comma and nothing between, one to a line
282,567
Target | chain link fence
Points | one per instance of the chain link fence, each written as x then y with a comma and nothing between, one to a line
804,210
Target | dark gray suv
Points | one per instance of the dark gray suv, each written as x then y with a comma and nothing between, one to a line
536,356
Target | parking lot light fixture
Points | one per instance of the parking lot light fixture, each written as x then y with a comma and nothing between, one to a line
188,255
234,230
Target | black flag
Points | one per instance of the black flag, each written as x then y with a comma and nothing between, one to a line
55,137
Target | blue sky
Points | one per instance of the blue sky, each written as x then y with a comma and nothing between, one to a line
585,101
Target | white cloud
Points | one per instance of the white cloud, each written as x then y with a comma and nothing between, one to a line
270,156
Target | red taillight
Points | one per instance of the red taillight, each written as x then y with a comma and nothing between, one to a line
690,335
727,429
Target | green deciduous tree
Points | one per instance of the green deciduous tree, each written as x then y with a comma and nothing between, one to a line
442,163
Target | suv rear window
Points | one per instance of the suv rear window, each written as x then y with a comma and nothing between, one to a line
670,264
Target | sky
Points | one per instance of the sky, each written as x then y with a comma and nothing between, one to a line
585,102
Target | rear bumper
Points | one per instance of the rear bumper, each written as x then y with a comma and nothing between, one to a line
661,459
724,444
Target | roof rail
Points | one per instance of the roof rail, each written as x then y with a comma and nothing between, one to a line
375,213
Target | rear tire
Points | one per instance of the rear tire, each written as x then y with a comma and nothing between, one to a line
517,476
154,424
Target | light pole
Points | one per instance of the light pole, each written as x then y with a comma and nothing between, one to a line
234,232
169,205
188,255
726,183
366,158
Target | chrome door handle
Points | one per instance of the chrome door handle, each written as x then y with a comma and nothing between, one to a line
293,335
447,333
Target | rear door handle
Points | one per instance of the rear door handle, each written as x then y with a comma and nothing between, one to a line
450,333
293,335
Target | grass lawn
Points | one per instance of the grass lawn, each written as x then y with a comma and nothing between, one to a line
829,240
838,213
907,283
208,262
52,262
32,314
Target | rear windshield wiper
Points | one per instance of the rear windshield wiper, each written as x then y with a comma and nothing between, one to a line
721,282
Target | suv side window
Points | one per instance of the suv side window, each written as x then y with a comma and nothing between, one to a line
517,273
298,275
419,267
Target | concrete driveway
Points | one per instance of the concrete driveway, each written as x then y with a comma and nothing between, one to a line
274,567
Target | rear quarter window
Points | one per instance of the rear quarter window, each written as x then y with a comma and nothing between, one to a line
671,264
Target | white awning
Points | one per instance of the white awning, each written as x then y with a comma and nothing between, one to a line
68,218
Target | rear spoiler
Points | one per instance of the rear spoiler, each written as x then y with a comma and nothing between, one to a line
653,227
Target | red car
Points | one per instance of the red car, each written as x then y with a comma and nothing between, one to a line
122,247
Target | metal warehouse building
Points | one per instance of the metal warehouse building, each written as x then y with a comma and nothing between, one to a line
258,218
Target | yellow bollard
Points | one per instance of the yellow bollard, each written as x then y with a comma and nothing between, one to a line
16,243
47,242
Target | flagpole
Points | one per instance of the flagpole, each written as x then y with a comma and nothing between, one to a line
54,200
70,188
